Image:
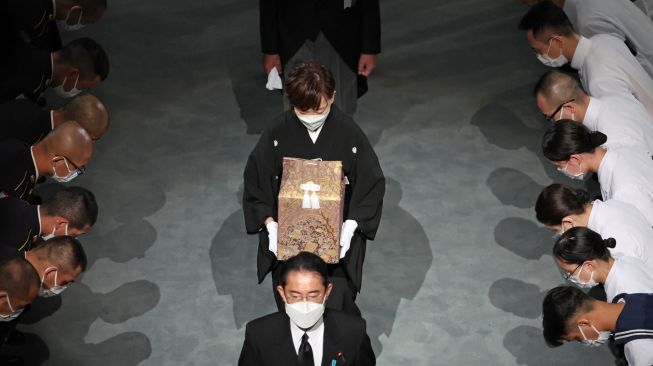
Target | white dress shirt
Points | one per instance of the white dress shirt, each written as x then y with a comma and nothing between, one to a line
626,175
315,339
621,18
628,276
606,67
624,223
623,119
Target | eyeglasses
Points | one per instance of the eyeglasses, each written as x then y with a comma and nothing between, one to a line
566,275
310,297
80,170
549,118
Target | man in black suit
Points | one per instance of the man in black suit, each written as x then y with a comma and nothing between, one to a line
34,21
28,70
71,211
62,155
343,35
19,286
306,334
24,120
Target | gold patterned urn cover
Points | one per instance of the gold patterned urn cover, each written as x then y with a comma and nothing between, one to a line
311,203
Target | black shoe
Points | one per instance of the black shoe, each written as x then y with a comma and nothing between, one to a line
16,337
11,360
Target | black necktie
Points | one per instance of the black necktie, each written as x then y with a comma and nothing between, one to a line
305,352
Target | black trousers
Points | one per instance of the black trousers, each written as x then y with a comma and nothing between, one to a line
343,294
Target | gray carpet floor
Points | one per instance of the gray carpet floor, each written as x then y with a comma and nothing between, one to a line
459,267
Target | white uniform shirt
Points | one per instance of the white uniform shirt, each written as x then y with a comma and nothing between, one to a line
621,18
623,119
639,352
606,66
624,223
626,175
315,339
628,276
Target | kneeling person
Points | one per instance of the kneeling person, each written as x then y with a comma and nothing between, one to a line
306,334
572,315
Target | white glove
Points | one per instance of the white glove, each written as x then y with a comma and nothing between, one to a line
347,232
272,227
274,80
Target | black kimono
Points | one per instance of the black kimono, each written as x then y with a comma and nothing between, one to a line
340,139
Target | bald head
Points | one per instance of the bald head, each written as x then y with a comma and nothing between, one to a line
89,112
69,140
558,87
19,280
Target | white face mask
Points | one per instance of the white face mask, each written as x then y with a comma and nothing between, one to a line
575,279
552,62
72,27
12,315
51,235
305,314
603,337
313,121
54,290
72,174
579,176
59,90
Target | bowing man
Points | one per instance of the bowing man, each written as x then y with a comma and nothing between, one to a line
306,334
315,128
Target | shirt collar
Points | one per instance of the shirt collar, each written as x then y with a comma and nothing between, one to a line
580,54
51,66
36,169
591,119
52,120
54,6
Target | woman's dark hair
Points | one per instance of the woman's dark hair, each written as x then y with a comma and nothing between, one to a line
580,244
566,137
558,201
305,262
307,84
559,307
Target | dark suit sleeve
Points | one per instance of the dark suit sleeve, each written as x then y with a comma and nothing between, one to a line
370,26
365,354
368,189
249,355
269,27
258,194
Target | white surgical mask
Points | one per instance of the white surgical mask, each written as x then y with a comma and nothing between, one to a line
579,176
603,337
51,235
67,94
305,314
552,62
313,121
72,174
54,290
73,27
12,315
575,279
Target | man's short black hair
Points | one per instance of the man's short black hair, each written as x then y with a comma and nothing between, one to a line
75,204
560,305
305,262
17,276
88,56
65,252
546,17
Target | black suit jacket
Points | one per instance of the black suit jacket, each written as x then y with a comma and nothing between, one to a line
286,24
268,341
24,120
17,166
29,21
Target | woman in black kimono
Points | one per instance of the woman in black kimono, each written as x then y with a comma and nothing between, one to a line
315,129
